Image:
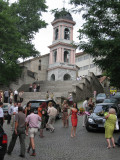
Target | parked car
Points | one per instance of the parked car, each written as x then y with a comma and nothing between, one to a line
96,120
5,110
35,105
100,97
3,143
117,95
112,100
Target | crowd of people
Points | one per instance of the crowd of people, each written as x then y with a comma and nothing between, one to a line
25,122
34,87
8,96
22,120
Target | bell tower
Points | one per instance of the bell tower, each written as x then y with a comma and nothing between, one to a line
62,52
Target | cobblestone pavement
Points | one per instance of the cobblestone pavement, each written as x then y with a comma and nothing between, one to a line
60,146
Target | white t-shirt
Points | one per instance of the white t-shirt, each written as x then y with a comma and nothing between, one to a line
15,92
15,109
10,111
85,104
1,113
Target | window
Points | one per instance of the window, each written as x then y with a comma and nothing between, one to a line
66,77
52,77
56,33
81,68
92,66
66,56
86,67
66,34
55,55
86,57
39,67
80,59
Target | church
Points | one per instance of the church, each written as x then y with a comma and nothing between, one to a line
62,61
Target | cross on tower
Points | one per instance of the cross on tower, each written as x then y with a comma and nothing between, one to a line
64,3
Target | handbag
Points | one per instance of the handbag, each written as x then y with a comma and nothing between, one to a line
117,125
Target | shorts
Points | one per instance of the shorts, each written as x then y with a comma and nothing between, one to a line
33,132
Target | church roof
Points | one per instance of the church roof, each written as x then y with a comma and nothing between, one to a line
63,14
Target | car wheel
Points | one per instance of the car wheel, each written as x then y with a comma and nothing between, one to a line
87,127
1,157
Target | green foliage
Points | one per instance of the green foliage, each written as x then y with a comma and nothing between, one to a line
18,24
100,34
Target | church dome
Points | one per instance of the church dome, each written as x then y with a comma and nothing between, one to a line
63,14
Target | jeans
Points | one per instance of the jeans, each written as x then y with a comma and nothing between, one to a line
21,134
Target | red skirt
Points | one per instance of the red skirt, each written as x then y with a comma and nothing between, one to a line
74,122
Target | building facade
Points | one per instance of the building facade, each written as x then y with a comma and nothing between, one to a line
85,63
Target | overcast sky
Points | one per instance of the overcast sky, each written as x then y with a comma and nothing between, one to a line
44,38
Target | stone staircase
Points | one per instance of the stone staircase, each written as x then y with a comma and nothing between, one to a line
61,89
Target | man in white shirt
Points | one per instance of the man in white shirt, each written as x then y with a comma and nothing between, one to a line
15,95
14,112
52,112
9,112
1,114
85,106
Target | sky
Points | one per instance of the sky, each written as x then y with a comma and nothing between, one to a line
44,37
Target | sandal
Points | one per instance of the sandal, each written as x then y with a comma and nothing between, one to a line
108,147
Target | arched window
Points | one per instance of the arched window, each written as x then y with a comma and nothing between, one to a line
66,77
52,77
66,56
55,55
56,33
67,34
39,67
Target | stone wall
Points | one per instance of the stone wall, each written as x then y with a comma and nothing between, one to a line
86,87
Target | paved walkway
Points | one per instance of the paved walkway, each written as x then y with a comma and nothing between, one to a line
60,146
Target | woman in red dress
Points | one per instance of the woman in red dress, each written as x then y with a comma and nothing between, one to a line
74,120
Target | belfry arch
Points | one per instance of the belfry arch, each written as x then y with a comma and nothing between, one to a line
66,77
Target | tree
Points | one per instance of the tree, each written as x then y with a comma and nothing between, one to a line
100,34
18,24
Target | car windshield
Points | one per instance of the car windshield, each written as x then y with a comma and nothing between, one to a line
100,108
110,101
101,95
35,104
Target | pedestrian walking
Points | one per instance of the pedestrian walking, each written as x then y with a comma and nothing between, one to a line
32,120
19,131
6,95
47,95
65,108
9,112
38,87
110,124
27,112
15,95
43,110
85,106
21,96
1,114
52,112
74,119
15,111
